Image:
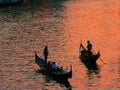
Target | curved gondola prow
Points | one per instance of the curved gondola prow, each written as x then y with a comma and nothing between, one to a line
81,48
99,53
36,58
39,61
70,73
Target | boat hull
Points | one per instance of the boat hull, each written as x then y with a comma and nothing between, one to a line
60,74
90,59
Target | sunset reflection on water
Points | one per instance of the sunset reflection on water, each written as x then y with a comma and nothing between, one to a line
99,23
62,25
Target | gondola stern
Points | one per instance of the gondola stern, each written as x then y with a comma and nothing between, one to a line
70,73
99,52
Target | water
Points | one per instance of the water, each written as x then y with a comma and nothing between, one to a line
62,25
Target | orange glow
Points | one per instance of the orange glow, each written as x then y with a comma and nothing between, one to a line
26,1
61,25
94,21
45,5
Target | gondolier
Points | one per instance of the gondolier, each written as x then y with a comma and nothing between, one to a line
45,53
89,47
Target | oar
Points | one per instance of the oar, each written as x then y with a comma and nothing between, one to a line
99,58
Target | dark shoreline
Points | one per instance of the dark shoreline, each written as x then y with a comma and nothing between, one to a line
9,3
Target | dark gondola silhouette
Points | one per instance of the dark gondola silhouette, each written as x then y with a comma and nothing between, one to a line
46,69
86,57
89,60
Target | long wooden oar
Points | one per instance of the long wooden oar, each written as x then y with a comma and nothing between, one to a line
100,57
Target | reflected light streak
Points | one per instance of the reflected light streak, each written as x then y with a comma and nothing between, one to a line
98,22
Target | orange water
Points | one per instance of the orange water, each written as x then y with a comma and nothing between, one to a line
61,25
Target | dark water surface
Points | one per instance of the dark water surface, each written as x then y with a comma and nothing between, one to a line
62,25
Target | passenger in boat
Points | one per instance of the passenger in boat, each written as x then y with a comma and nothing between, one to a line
89,47
54,66
45,53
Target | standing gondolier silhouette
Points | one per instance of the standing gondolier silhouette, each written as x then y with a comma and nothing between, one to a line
89,47
45,53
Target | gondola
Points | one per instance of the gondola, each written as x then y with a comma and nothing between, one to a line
59,73
86,58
